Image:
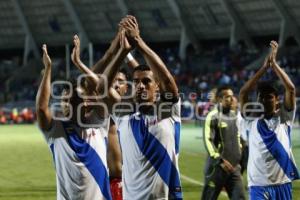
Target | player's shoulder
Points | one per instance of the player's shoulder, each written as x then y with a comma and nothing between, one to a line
247,122
287,116
212,113
119,120
56,129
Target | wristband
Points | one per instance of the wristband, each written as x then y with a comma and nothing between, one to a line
129,58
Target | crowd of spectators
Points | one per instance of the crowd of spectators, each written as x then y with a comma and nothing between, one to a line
197,75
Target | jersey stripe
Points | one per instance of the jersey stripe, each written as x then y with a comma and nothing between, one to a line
289,135
52,151
157,155
277,150
207,135
90,158
177,136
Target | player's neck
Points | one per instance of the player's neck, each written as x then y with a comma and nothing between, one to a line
146,109
269,115
73,121
224,110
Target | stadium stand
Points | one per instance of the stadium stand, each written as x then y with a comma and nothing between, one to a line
205,43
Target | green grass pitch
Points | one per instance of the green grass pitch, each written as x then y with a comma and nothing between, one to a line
27,171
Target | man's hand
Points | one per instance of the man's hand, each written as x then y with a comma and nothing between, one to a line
226,165
129,23
124,44
274,46
46,59
267,61
76,50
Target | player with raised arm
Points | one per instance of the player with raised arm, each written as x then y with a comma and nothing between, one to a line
79,153
271,166
119,84
114,154
149,137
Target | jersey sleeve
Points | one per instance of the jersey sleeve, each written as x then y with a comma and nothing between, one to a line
176,110
244,126
166,109
286,115
50,134
209,134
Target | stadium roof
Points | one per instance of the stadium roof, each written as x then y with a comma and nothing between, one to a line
56,21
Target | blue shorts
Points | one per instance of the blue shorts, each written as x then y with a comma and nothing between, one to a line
276,192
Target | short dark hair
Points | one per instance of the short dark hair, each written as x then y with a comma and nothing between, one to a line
124,71
74,85
141,68
220,89
267,87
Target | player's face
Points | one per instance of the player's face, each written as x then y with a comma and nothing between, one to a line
120,84
227,99
85,100
234,105
68,103
270,102
145,87
65,103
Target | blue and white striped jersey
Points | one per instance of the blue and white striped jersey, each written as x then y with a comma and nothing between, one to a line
150,148
80,161
271,161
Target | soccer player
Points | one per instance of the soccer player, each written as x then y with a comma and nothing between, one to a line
149,137
271,166
79,153
119,86
222,141
114,155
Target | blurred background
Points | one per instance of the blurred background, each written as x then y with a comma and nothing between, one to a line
204,43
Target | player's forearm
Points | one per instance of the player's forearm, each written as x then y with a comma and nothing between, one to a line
43,94
290,91
288,84
208,133
91,76
114,160
100,66
131,61
166,80
211,149
113,67
114,97
251,83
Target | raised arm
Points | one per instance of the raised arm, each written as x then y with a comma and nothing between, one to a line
162,74
113,67
92,78
251,83
290,91
131,61
100,66
110,70
43,112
